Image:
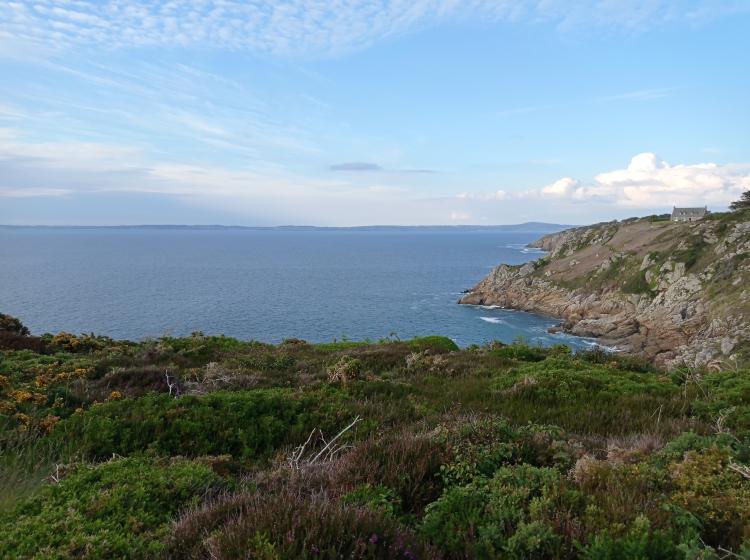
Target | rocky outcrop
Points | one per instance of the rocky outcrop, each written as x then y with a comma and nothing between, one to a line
674,293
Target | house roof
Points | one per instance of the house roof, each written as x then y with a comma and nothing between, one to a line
688,212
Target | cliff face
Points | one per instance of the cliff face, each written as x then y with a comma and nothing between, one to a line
679,294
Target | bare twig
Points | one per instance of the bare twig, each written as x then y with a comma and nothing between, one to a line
341,433
741,469
330,449
56,477
722,418
171,385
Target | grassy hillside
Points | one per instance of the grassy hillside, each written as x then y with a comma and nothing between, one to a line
639,256
209,447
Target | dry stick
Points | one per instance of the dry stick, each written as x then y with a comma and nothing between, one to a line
169,383
342,432
299,451
56,477
741,469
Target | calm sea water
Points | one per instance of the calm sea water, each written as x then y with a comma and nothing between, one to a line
263,285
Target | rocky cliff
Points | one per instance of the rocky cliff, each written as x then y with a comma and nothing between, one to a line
678,294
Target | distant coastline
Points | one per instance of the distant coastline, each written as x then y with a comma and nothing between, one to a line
523,227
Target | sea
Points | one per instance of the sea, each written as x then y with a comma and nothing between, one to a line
320,285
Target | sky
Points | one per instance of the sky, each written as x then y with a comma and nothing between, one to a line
344,112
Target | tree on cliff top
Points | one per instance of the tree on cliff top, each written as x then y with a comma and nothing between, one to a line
742,204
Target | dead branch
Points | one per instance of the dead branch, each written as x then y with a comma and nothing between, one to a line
741,469
297,458
171,385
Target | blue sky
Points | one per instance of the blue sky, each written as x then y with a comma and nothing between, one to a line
370,112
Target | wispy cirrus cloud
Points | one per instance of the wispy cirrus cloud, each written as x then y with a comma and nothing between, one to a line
308,26
365,166
355,166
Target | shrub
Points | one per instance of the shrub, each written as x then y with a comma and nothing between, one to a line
290,526
482,446
639,543
345,370
637,284
676,449
408,464
521,352
511,515
119,509
618,493
434,343
375,497
715,494
244,424
12,325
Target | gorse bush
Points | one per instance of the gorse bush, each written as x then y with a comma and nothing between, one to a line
119,509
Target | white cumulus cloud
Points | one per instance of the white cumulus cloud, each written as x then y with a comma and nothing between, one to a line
649,182
566,186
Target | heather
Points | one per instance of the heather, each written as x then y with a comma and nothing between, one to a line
211,447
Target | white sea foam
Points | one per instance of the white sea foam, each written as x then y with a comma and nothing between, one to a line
493,320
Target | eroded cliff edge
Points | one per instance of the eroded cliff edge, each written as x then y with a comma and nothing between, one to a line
678,294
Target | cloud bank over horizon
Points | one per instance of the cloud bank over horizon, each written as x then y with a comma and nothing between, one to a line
76,171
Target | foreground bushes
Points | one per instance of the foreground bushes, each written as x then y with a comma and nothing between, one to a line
489,452
119,509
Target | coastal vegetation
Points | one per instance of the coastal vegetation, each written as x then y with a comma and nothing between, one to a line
211,447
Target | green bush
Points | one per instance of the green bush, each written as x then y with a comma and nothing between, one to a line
637,284
482,447
435,343
244,424
676,449
714,494
376,498
561,379
521,352
640,543
510,515
730,398
118,509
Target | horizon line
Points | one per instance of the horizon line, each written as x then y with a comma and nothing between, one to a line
281,226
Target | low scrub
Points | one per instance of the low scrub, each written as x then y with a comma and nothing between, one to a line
119,509
289,527
225,449
244,424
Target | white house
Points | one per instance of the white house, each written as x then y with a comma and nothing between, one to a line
688,214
